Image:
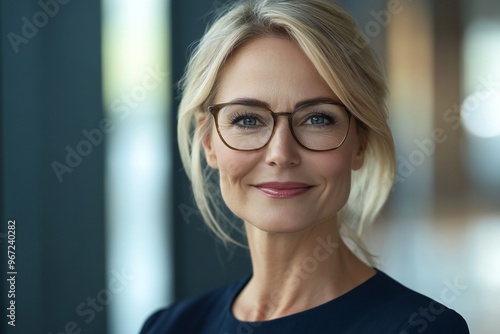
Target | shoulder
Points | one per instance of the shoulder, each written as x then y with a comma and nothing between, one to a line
411,312
192,314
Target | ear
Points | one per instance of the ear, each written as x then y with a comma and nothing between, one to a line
207,141
358,157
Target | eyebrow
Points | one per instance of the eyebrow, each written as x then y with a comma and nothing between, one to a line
250,101
314,100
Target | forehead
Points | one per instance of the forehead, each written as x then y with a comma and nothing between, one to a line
273,70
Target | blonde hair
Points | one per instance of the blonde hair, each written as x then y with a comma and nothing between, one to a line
331,40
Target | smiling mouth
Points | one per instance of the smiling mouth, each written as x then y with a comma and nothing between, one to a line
283,190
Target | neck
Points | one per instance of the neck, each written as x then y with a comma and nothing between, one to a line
293,272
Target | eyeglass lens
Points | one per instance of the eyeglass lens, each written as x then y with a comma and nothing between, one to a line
317,127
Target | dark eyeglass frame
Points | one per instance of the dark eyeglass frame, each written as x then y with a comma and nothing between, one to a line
215,108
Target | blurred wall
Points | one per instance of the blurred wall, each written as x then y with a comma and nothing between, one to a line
51,94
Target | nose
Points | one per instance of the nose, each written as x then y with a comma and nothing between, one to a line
282,149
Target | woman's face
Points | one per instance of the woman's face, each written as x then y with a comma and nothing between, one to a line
283,187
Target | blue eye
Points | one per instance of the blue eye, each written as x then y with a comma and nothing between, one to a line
320,119
247,121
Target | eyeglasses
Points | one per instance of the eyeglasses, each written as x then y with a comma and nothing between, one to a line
320,125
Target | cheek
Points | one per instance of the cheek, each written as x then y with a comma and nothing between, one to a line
335,164
336,171
336,174
234,166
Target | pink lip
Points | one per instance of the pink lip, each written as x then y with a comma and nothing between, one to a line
283,189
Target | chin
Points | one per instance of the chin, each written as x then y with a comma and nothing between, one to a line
281,226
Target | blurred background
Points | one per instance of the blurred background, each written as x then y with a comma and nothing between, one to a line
106,229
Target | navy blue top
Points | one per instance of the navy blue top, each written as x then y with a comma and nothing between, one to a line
380,305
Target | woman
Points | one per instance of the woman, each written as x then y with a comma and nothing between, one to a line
284,101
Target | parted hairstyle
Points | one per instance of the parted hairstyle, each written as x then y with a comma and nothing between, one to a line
332,41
